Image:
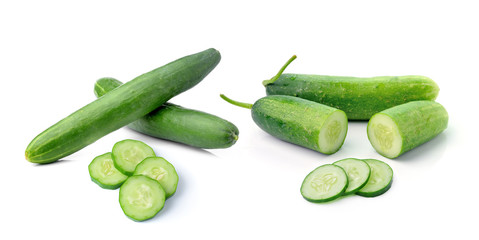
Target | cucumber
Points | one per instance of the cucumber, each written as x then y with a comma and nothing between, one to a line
380,180
358,172
299,121
161,170
141,197
120,107
128,153
325,183
359,98
178,124
103,172
399,129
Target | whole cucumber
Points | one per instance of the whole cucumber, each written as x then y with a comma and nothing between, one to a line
299,121
399,129
179,124
359,98
120,107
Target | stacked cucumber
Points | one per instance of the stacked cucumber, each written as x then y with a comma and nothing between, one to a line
145,180
368,178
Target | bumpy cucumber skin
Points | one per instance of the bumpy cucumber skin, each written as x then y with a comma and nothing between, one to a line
292,119
120,107
417,121
179,124
359,98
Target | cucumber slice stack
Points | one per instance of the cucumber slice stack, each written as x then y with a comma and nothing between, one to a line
368,178
145,180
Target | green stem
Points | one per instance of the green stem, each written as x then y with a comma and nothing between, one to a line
239,104
273,79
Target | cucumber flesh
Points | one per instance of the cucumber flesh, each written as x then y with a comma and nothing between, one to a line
159,169
103,172
141,197
380,180
333,132
384,135
325,183
128,153
358,172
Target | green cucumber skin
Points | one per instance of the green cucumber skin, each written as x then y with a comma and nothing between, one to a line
120,107
359,98
418,122
178,124
291,119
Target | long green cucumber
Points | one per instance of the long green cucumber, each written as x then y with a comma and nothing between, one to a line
179,124
299,121
120,107
399,129
359,98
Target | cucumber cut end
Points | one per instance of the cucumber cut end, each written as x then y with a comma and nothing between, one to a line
384,135
324,183
333,132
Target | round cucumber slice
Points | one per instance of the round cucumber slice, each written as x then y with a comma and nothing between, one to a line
333,132
128,153
161,170
358,172
384,135
103,172
325,183
141,197
380,180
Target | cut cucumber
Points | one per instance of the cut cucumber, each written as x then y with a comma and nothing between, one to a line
380,180
299,121
128,153
141,197
161,170
397,130
324,183
103,172
358,172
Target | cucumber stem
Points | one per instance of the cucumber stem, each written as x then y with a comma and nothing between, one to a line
273,79
236,103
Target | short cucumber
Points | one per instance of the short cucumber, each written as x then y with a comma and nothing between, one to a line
127,154
103,172
299,121
399,129
141,197
325,183
380,180
179,124
358,172
359,98
161,170
120,107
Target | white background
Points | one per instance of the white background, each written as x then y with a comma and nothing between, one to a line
51,53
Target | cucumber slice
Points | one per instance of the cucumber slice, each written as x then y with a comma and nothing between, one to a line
161,170
128,153
358,172
325,183
380,180
141,197
103,172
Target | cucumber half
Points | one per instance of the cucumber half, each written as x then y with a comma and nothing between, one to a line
325,183
380,180
128,153
141,197
358,172
161,170
103,172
